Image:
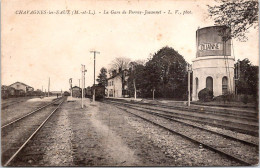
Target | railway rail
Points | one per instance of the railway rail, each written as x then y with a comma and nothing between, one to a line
231,123
28,114
243,152
244,114
17,134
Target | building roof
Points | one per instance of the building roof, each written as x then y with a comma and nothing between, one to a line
117,74
76,87
22,84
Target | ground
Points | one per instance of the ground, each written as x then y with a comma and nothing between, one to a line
97,136
101,134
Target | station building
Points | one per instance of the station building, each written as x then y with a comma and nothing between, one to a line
76,92
114,84
21,86
213,67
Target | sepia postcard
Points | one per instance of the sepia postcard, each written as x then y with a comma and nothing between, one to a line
129,83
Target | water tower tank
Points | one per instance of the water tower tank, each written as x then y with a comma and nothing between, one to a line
213,67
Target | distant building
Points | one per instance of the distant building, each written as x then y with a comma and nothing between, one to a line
22,86
76,91
55,93
114,86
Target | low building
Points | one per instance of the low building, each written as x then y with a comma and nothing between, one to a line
19,92
21,86
76,91
115,83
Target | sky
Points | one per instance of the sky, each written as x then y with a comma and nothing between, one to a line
36,47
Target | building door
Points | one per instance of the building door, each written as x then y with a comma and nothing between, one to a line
209,83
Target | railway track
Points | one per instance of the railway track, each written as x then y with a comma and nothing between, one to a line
8,104
4,124
239,125
16,134
248,115
243,152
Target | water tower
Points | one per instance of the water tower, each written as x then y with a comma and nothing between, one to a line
213,67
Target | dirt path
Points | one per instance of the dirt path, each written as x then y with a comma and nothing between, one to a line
93,143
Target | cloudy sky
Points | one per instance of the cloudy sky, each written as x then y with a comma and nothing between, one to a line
38,46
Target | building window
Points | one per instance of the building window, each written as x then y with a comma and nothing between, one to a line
209,83
224,85
112,83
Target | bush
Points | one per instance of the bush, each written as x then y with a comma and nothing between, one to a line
205,95
245,99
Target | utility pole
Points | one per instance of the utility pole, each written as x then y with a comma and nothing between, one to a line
189,71
70,87
79,81
95,52
49,88
83,83
153,92
133,71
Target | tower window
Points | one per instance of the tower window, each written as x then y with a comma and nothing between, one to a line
224,85
209,83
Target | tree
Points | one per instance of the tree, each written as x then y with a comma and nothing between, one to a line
166,73
248,78
239,15
120,64
136,78
102,77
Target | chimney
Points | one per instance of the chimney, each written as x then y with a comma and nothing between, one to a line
114,73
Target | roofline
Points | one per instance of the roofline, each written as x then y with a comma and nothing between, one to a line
117,74
21,83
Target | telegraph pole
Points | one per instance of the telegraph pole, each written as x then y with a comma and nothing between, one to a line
70,87
82,80
95,52
133,70
153,92
83,83
79,81
189,71
49,88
